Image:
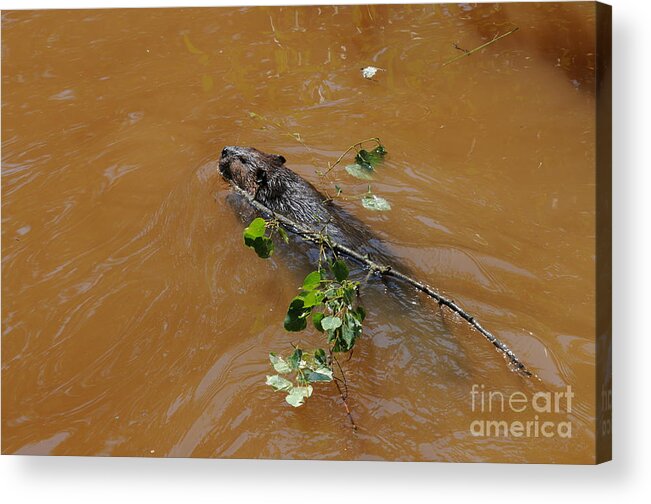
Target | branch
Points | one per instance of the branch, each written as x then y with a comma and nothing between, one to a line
468,53
387,271
358,144
344,396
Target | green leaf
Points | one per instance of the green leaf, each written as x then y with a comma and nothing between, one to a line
312,299
279,383
320,356
340,270
317,318
256,229
330,323
297,395
296,304
263,246
360,172
312,281
294,323
254,237
322,374
369,159
339,346
330,293
360,313
279,364
283,234
349,292
296,317
373,202
350,330
362,158
295,358
379,150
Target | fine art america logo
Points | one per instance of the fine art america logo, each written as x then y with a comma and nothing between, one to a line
516,414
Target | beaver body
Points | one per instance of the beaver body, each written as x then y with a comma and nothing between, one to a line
266,178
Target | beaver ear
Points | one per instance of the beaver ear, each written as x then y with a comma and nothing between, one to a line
281,159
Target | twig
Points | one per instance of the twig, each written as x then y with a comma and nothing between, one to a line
343,375
358,144
345,402
295,136
384,270
350,415
344,397
468,53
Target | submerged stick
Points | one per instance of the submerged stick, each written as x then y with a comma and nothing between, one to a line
387,271
344,395
471,51
353,425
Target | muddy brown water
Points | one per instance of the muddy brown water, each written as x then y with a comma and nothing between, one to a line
136,323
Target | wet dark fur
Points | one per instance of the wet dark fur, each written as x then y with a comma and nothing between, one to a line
269,181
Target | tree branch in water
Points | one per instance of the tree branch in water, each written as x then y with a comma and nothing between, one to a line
479,48
309,235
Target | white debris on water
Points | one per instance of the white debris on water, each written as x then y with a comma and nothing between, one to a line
370,71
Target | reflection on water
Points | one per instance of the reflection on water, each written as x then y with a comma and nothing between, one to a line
135,323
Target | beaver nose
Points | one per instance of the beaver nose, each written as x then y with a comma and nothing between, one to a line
228,150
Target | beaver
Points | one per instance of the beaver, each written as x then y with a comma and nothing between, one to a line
266,178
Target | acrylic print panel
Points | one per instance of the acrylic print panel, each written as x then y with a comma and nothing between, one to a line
140,146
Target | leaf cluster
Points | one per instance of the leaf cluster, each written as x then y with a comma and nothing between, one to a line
327,298
331,301
301,369
366,161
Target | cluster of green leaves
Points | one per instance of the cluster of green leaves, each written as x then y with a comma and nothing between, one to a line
328,298
258,236
331,301
366,161
300,370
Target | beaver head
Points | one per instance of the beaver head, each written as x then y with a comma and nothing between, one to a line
248,168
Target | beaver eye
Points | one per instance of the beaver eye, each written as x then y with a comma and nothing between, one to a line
242,160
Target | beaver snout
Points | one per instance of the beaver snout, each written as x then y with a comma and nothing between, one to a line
233,151
225,162
229,151
232,155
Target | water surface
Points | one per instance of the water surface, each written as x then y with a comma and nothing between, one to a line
135,322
